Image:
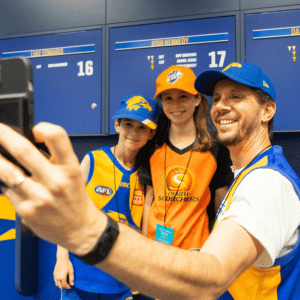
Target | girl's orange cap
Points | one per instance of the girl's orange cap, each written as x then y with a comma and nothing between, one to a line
176,77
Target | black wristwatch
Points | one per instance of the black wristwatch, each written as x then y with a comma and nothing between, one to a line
104,244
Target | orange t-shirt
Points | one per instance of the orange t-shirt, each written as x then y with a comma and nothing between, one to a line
181,183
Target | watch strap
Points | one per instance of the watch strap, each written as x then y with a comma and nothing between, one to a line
104,244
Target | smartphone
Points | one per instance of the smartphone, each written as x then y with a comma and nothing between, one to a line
16,99
17,111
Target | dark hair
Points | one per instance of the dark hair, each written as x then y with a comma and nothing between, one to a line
204,140
262,98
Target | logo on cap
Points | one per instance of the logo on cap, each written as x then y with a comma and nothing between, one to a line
265,84
174,76
237,65
137,102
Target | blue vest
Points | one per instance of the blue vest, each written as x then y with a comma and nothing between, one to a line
282,280
118,193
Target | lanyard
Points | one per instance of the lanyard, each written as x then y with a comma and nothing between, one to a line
116,192
231,187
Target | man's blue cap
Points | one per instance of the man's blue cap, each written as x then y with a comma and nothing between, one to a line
244,73
140,108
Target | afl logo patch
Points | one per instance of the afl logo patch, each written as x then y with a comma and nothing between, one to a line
103,190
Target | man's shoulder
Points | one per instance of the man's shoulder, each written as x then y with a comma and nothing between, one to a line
265,178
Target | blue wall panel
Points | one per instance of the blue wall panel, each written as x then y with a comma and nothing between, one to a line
273,43
66,77
138,54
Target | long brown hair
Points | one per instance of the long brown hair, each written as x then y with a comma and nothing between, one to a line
204,140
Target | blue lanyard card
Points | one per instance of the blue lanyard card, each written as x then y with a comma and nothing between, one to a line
164,234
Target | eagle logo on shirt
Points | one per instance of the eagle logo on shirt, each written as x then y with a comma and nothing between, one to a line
138,102
117,217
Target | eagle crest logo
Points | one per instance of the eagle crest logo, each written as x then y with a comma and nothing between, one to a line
138,102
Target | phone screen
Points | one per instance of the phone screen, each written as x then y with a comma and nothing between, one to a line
10,113
15,113
16,98
16,110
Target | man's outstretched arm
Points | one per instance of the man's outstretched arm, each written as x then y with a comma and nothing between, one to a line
55,204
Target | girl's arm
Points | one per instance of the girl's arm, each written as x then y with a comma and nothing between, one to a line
148,202
85,167
219,194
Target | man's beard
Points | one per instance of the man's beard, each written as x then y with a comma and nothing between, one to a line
234,140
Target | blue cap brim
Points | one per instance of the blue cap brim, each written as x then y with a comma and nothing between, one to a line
136,117
206,81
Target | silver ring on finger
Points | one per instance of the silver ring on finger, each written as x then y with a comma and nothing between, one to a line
19,180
